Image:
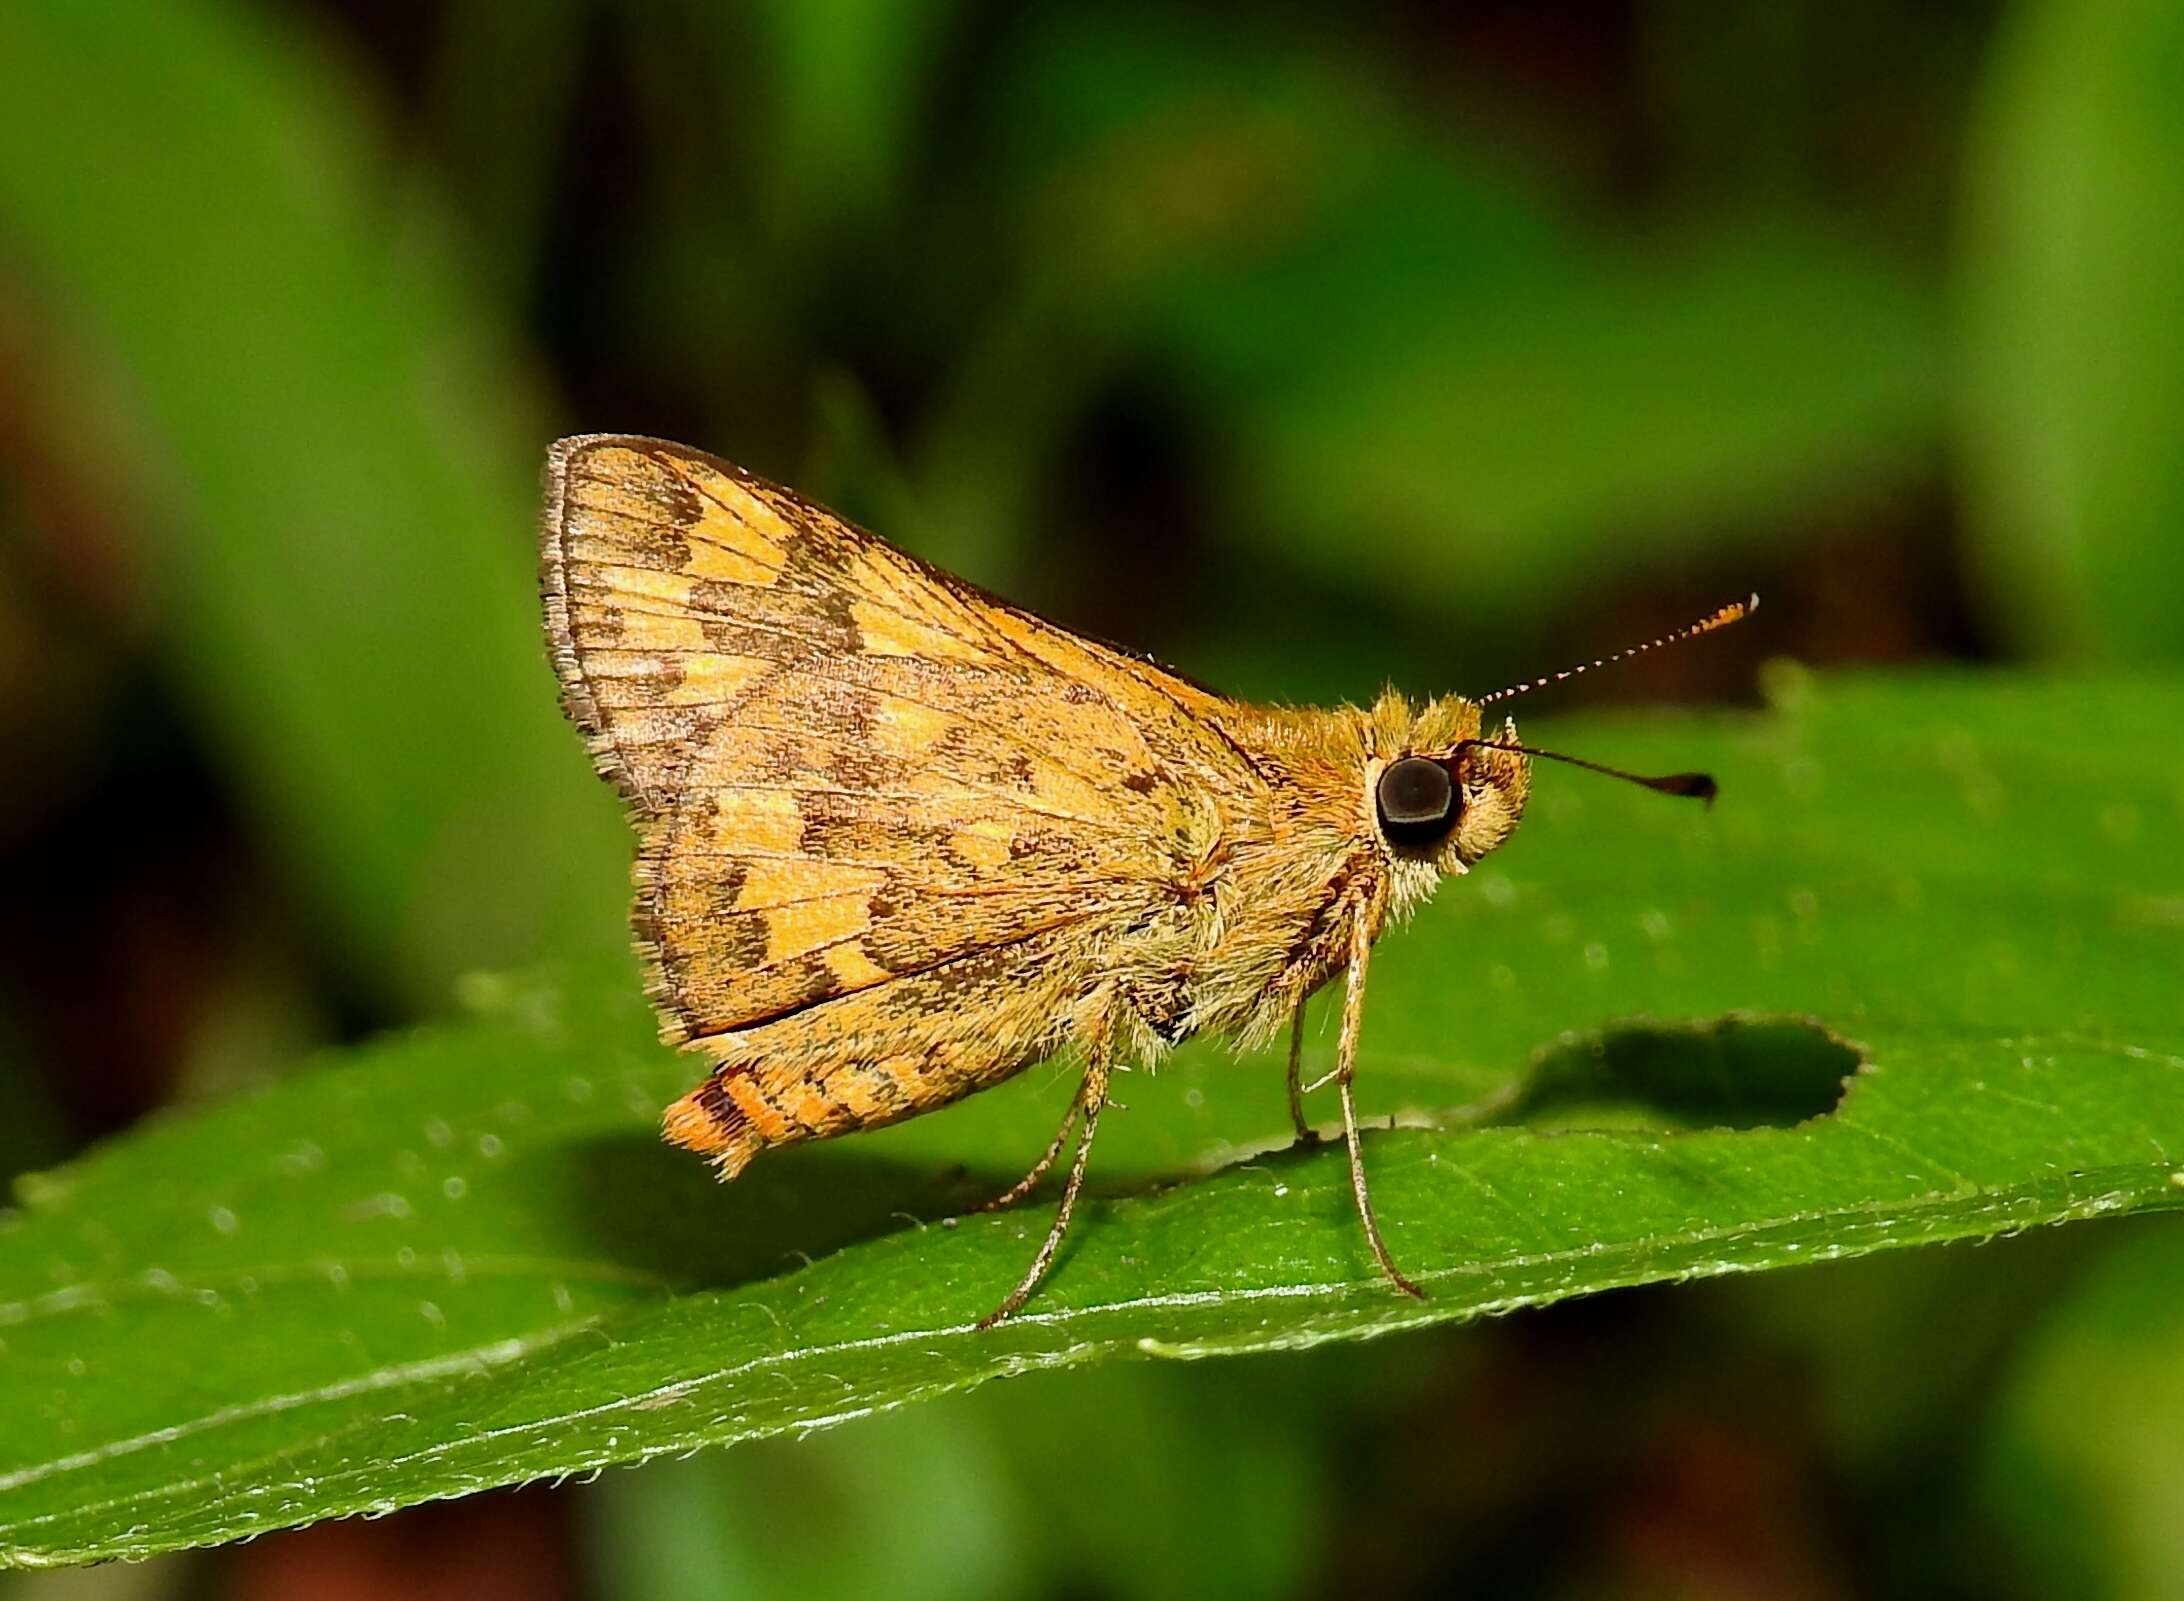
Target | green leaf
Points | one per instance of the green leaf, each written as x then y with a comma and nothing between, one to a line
2073,316
460,1258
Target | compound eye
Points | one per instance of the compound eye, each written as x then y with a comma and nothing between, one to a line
1416,800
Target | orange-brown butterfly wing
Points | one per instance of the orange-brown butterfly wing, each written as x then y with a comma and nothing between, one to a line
862,783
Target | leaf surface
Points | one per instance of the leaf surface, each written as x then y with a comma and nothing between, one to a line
460,1258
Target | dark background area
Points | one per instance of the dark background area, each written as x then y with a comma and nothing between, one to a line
1305,347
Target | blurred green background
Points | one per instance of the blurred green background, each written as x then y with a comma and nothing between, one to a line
1305,346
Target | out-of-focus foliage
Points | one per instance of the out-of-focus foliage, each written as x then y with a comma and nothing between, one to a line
1310,348
338,468
2073,313
2097,1504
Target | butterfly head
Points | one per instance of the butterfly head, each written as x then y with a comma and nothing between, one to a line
1447,800
1453,792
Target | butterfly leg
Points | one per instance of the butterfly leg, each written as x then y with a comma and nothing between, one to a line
1306,1133
1030,1181
1353,1017
1090,1098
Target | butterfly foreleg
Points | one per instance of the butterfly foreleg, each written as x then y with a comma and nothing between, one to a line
1306,1133
1353,1017
1091,1097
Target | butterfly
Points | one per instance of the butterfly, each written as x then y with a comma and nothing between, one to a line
900,839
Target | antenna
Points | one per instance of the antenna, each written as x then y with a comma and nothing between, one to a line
1697,786
1735,612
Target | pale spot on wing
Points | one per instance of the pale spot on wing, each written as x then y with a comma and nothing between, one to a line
636,628
984,843
658,590
905,728
807,925
709,558
885,631
853,968
734,518
769,883
655,677
900,612
603,663
710,679
1065,794
753,820
654,731
860,1092
909,730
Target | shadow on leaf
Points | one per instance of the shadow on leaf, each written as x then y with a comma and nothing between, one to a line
660,1212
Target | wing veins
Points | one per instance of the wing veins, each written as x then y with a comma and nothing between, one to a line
794,1007
805,900
1139,672
614,481
593,564
971,793
1094,776
756,625
855,538
892,872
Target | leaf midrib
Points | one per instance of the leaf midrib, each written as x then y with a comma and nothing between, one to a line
2110,1186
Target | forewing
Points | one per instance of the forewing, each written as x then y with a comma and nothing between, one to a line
852,766
672,587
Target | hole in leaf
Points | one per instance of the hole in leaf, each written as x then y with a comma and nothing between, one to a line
1734,1073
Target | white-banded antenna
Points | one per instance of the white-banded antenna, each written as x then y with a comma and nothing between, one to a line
1735,612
